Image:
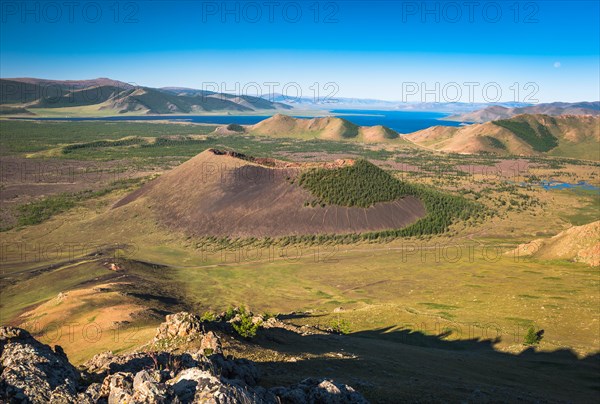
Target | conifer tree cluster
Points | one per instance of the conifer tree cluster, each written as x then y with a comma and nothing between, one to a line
364,184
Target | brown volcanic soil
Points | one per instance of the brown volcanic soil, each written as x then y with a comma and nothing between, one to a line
231,195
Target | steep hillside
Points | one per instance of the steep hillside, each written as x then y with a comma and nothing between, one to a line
565,136
579,244
329,128
111,96
495,112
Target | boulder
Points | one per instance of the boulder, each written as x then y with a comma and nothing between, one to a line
182,326
118,387
211,344
32,371
148,388
322,391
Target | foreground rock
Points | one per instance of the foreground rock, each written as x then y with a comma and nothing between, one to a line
182,327
33,372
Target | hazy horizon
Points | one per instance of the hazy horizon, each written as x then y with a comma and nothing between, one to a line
449,50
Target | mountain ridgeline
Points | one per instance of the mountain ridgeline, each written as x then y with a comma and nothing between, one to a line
106,96
326,128
495,112
573,136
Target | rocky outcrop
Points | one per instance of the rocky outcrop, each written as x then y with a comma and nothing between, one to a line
318,391
182,326
211,344
33,372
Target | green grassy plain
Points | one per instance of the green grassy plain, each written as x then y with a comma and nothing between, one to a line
459,281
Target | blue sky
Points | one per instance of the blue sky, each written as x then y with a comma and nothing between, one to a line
396,50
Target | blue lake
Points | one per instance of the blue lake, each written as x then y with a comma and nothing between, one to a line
560,185
400,121
547,185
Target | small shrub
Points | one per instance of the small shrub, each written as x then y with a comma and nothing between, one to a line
533,337
245,327
229,313
268,315
208,316
341,326
173,364
235,127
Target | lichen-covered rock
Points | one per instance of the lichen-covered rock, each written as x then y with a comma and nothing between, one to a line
183,326
200,386
91,395
320,391
152,376
148,388
32,371
211,344
118,387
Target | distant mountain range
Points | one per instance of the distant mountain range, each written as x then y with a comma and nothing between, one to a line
374,104
494,112
106,96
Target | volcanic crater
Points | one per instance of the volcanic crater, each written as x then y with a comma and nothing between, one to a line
228,194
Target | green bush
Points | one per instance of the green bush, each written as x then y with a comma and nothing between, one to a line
208,316
340,326
268,315
235,127
229,313
245,327
533,337
103,143
38,211
43,209
492,141
361,184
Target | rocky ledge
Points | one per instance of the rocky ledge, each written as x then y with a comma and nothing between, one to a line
32,372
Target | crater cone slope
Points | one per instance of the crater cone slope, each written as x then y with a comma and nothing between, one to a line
223,194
